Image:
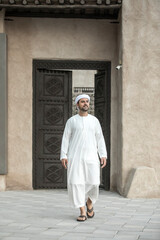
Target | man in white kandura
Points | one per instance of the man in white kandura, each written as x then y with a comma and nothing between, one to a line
82,142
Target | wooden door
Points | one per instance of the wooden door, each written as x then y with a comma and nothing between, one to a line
52,102
102,112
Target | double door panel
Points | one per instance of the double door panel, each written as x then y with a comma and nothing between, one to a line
52,108
102,112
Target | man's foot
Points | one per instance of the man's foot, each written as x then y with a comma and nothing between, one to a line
82,218
90,212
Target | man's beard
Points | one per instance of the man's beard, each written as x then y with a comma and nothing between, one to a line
83,109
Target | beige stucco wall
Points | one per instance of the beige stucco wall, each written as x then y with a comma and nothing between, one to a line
2,30
83,78
50,39
141,88
2,24
118,176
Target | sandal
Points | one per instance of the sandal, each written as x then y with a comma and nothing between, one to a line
82,216
89,211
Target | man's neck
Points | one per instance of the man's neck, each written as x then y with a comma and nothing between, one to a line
83,114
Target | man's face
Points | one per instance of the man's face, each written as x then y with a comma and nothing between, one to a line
83,104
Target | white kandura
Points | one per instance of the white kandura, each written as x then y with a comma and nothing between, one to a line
82,142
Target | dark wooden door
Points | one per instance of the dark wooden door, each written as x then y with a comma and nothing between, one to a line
52,100
102,112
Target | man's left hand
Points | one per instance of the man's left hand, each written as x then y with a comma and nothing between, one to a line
103,162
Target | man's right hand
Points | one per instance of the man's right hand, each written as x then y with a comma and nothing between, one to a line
64,163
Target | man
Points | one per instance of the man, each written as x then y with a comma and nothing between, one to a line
82,142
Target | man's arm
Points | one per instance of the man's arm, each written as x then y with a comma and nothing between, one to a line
101,145
65,144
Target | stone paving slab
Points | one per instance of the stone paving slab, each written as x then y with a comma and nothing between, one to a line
46,214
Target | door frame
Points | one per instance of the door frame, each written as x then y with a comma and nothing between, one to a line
79,65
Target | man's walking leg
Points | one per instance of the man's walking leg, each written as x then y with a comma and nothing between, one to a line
82,216
90,212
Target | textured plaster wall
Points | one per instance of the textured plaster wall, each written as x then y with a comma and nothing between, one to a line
119,108
141,86
49,39
2,25
83,78
3,115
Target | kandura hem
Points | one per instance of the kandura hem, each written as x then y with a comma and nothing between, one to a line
79,194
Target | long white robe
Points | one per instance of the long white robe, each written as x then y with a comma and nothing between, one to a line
82,142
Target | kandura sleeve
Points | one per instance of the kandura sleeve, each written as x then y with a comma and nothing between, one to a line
65,141
101,146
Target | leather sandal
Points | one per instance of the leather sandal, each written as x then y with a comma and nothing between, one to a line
89,211
82,220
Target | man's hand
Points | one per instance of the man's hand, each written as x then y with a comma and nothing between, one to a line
103,162
64,163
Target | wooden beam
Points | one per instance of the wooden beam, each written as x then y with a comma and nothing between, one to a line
61,15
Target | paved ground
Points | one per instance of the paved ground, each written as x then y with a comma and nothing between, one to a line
45,214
